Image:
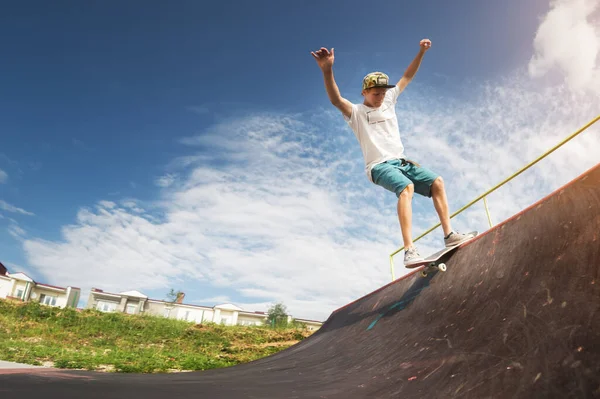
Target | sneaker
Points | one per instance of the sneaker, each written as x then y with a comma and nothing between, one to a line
411,255
455,238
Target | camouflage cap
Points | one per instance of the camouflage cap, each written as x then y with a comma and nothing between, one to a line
376,79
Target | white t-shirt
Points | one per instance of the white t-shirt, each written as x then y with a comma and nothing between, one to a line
377,131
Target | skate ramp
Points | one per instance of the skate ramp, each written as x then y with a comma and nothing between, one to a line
517,315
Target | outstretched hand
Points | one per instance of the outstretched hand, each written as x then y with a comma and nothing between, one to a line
324,58
425,44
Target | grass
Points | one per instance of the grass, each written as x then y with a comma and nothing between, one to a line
115,342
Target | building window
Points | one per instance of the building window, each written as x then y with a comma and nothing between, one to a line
131,309
167,312
106,306
20,293
48,299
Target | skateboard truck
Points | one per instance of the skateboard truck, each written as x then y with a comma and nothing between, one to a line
430,268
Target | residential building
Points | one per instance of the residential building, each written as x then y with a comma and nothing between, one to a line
20,287
135,302
130,302
311,325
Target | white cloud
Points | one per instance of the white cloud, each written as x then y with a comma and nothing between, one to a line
133,205
106,204
11,208
568,38
16,231
111,249
277,207
3,176
166,180
211,301
291,217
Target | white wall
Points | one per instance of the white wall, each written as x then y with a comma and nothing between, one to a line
196,315
73,297
250,321
228,317
52,297
312,327
19,285
209,315
5,284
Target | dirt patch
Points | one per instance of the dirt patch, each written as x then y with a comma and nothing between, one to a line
265,345
107,368
33,340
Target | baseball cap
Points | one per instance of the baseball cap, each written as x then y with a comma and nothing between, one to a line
376,79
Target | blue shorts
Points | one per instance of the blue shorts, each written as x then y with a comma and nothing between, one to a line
396,174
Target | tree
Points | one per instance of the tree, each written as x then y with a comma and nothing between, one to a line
173,295
277,315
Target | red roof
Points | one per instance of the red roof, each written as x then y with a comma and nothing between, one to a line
51,286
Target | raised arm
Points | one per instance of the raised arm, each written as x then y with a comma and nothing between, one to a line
412,69
325,61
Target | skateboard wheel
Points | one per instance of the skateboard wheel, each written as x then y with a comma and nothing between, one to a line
442,267
423,273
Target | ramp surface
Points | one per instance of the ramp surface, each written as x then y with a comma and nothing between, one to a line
517,315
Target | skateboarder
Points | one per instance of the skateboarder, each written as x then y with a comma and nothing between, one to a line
375,125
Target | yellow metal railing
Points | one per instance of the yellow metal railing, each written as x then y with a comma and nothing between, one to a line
484,195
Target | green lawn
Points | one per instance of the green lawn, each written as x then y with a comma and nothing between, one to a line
65,338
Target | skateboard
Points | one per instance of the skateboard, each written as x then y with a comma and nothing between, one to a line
431,262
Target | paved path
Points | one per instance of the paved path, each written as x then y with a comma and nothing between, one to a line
11,365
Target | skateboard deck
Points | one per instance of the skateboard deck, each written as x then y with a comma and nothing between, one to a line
432,262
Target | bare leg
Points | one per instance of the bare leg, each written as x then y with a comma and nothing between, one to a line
405,214
440,202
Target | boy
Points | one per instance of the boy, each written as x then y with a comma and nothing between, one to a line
375,125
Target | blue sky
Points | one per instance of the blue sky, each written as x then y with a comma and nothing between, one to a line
150,146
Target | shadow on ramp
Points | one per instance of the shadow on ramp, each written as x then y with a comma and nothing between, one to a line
415,289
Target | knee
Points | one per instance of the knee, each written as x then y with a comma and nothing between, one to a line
408,191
